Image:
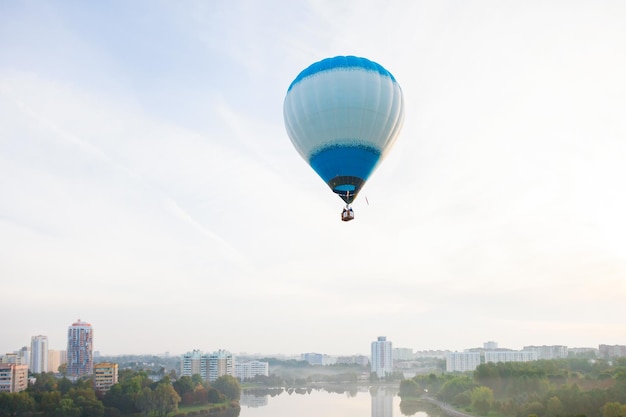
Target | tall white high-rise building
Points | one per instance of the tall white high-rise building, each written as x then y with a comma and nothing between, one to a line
381,362
38,354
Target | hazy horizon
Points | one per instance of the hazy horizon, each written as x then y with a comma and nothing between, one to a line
297,354
148,185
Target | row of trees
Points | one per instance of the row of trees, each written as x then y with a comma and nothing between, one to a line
568,387
51,397
135,393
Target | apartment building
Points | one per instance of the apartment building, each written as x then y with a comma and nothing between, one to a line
79,349
381,363
105,376
209,366
549,352
611,351
13,377
462,361
38,354
250,369
510,356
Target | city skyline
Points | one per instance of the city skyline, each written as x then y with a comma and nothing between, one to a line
148,184
364,351
384,340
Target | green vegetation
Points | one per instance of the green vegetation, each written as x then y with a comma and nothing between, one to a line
134,395
229,386
571,387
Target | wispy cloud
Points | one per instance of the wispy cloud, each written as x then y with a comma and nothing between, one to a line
224,246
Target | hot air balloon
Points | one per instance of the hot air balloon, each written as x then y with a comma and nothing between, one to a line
343,115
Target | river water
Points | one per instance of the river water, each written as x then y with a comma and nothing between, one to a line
356,402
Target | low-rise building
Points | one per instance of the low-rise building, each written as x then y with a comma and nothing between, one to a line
587,352
549,352
250,369
16,358
318,359
402,354
510,356
313,358
462,361
611,351
361,360
429,354
105,376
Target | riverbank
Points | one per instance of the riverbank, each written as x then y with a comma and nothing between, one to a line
230,409
407,405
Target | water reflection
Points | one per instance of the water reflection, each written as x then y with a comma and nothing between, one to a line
382,403
258,397
253,400
352,401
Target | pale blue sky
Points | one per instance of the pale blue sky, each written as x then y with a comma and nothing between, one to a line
148,186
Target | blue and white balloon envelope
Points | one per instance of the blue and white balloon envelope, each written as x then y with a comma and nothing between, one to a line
343,115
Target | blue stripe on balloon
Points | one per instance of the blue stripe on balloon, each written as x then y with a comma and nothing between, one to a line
341,62
342,160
